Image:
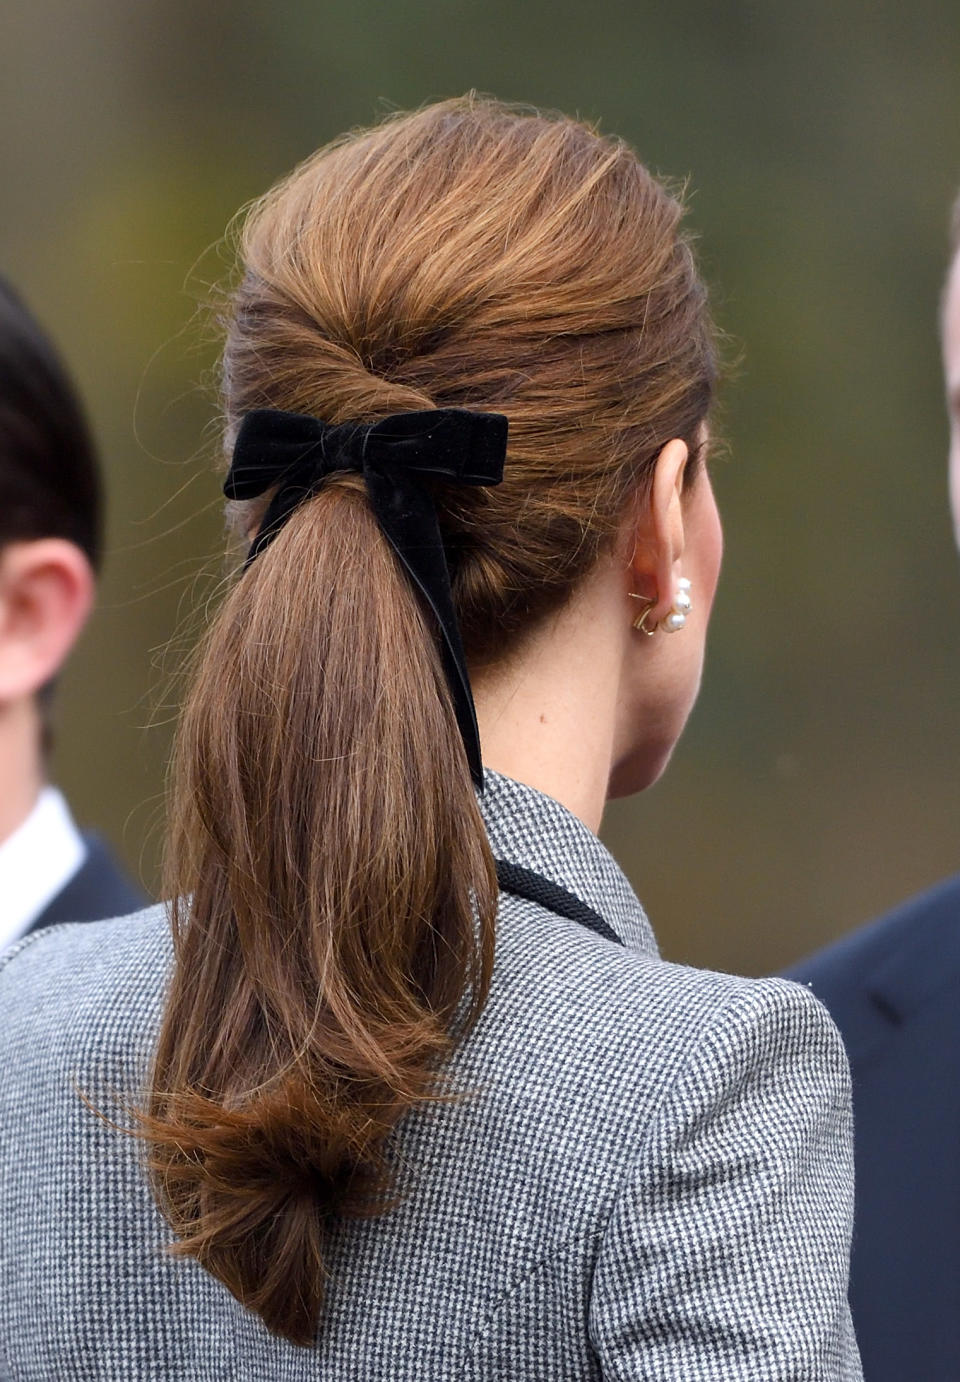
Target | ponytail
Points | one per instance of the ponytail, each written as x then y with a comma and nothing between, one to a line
334,902
334,891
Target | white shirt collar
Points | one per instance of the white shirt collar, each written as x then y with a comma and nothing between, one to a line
36,863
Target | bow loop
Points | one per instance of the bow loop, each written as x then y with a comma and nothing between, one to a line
294,454
449,444
273,448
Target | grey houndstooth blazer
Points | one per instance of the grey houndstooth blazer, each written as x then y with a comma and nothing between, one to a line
649,1178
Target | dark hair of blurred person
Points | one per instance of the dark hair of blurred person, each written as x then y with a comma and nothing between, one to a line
50,536
419,1126
893,988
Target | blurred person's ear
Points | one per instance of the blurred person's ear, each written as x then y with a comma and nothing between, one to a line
46,594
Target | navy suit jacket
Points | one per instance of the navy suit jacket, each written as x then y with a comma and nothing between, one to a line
97,890
893,989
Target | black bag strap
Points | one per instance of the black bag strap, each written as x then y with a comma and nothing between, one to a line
514,878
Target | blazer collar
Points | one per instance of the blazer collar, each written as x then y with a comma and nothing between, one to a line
526,827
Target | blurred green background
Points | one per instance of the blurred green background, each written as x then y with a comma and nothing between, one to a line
818,779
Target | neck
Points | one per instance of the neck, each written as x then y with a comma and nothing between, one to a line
21,765
548,717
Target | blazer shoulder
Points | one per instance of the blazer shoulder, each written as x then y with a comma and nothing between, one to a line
77,988
733,1226
893,967
545,957
628,1018
58,945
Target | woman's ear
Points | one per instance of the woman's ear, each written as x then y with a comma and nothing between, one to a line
46,594
659,535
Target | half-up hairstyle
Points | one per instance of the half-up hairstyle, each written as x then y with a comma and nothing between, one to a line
334,891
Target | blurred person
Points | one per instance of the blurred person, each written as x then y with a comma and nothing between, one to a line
50,503
893,988
400,1122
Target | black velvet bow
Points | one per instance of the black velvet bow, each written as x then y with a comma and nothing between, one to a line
295,454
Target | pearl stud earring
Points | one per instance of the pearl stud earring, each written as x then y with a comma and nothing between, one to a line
680,608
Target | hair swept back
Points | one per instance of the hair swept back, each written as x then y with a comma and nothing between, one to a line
340,925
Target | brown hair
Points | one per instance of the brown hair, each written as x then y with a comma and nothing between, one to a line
335,891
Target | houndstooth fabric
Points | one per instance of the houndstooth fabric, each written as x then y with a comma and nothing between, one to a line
650,1176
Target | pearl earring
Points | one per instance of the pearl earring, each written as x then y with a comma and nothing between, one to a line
680,608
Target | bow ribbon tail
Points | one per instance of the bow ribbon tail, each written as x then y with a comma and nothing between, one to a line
405,510
287,498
